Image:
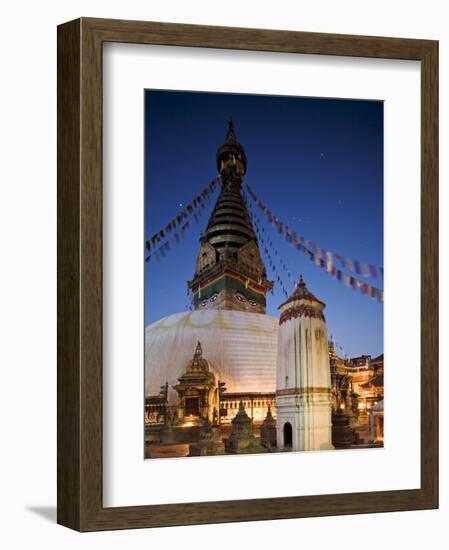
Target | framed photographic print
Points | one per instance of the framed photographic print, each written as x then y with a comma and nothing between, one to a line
247,287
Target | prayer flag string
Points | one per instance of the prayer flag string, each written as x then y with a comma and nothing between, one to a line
161,252
259,231
356,266
188,210
320,257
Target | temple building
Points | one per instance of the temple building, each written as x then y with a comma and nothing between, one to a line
197,392
357,382
358,393
372,390
229,319
340,381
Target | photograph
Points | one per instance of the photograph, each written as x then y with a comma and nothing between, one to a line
264,279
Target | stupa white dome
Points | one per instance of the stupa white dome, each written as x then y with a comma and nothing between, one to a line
240,346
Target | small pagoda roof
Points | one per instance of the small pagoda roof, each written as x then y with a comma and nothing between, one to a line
302,293
197,373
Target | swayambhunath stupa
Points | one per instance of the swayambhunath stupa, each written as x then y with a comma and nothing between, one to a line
226,377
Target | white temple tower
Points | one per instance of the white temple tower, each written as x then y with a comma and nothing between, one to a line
303,381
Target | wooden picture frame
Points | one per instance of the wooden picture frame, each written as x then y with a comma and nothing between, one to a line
80,504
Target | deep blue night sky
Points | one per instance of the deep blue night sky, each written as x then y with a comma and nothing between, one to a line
316,163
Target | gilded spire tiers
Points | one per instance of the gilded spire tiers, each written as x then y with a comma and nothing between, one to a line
229,271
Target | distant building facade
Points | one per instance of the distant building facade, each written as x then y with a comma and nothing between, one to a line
358,388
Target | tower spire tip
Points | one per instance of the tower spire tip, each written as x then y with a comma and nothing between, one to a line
230,136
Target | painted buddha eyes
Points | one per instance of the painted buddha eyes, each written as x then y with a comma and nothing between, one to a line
211,300
241,298
238,297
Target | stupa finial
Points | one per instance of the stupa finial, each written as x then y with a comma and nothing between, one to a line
230,136
198,351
